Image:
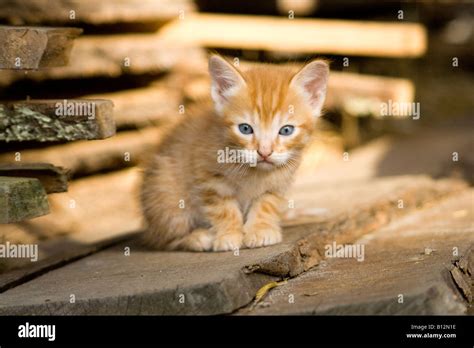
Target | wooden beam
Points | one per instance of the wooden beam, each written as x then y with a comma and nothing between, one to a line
21,199
94,208
86,157
54,179
363,94
342,37
92,11
56,120
146,106
24,48
113,56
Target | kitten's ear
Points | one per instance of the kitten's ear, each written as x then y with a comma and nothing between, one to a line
226,81
311,82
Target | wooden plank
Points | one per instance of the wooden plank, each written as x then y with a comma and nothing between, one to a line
402,270
35,47
146,106
363,94
155,280
357,38
54,179
56,120
86,157
92,11
113,56
65,251
93,209
21,199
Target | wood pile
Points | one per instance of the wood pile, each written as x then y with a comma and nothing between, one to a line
57,97
23,188
147,59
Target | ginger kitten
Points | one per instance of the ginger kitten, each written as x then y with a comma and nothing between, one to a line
194,200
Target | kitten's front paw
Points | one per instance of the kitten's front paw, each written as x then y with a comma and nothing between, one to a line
228,241
262,237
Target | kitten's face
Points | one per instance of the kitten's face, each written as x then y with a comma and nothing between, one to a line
268,110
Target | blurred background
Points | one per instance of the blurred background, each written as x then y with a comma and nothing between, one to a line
149,57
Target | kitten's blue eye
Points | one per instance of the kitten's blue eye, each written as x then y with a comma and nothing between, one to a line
286,130
245,128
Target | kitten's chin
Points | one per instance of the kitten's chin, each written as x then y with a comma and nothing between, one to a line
263,165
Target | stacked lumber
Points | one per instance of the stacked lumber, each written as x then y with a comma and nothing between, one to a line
132,72
24,186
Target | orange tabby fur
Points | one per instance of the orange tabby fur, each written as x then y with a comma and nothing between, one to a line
191,201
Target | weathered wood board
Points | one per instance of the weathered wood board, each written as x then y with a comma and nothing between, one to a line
56,120
26,48
66,251
153,282
403,269
21,199
54,179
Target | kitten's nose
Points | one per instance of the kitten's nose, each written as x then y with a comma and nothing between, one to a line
265,153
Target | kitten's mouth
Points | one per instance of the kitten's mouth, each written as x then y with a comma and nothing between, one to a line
265,164
265,161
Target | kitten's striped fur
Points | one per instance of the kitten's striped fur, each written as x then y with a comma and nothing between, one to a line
192,202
